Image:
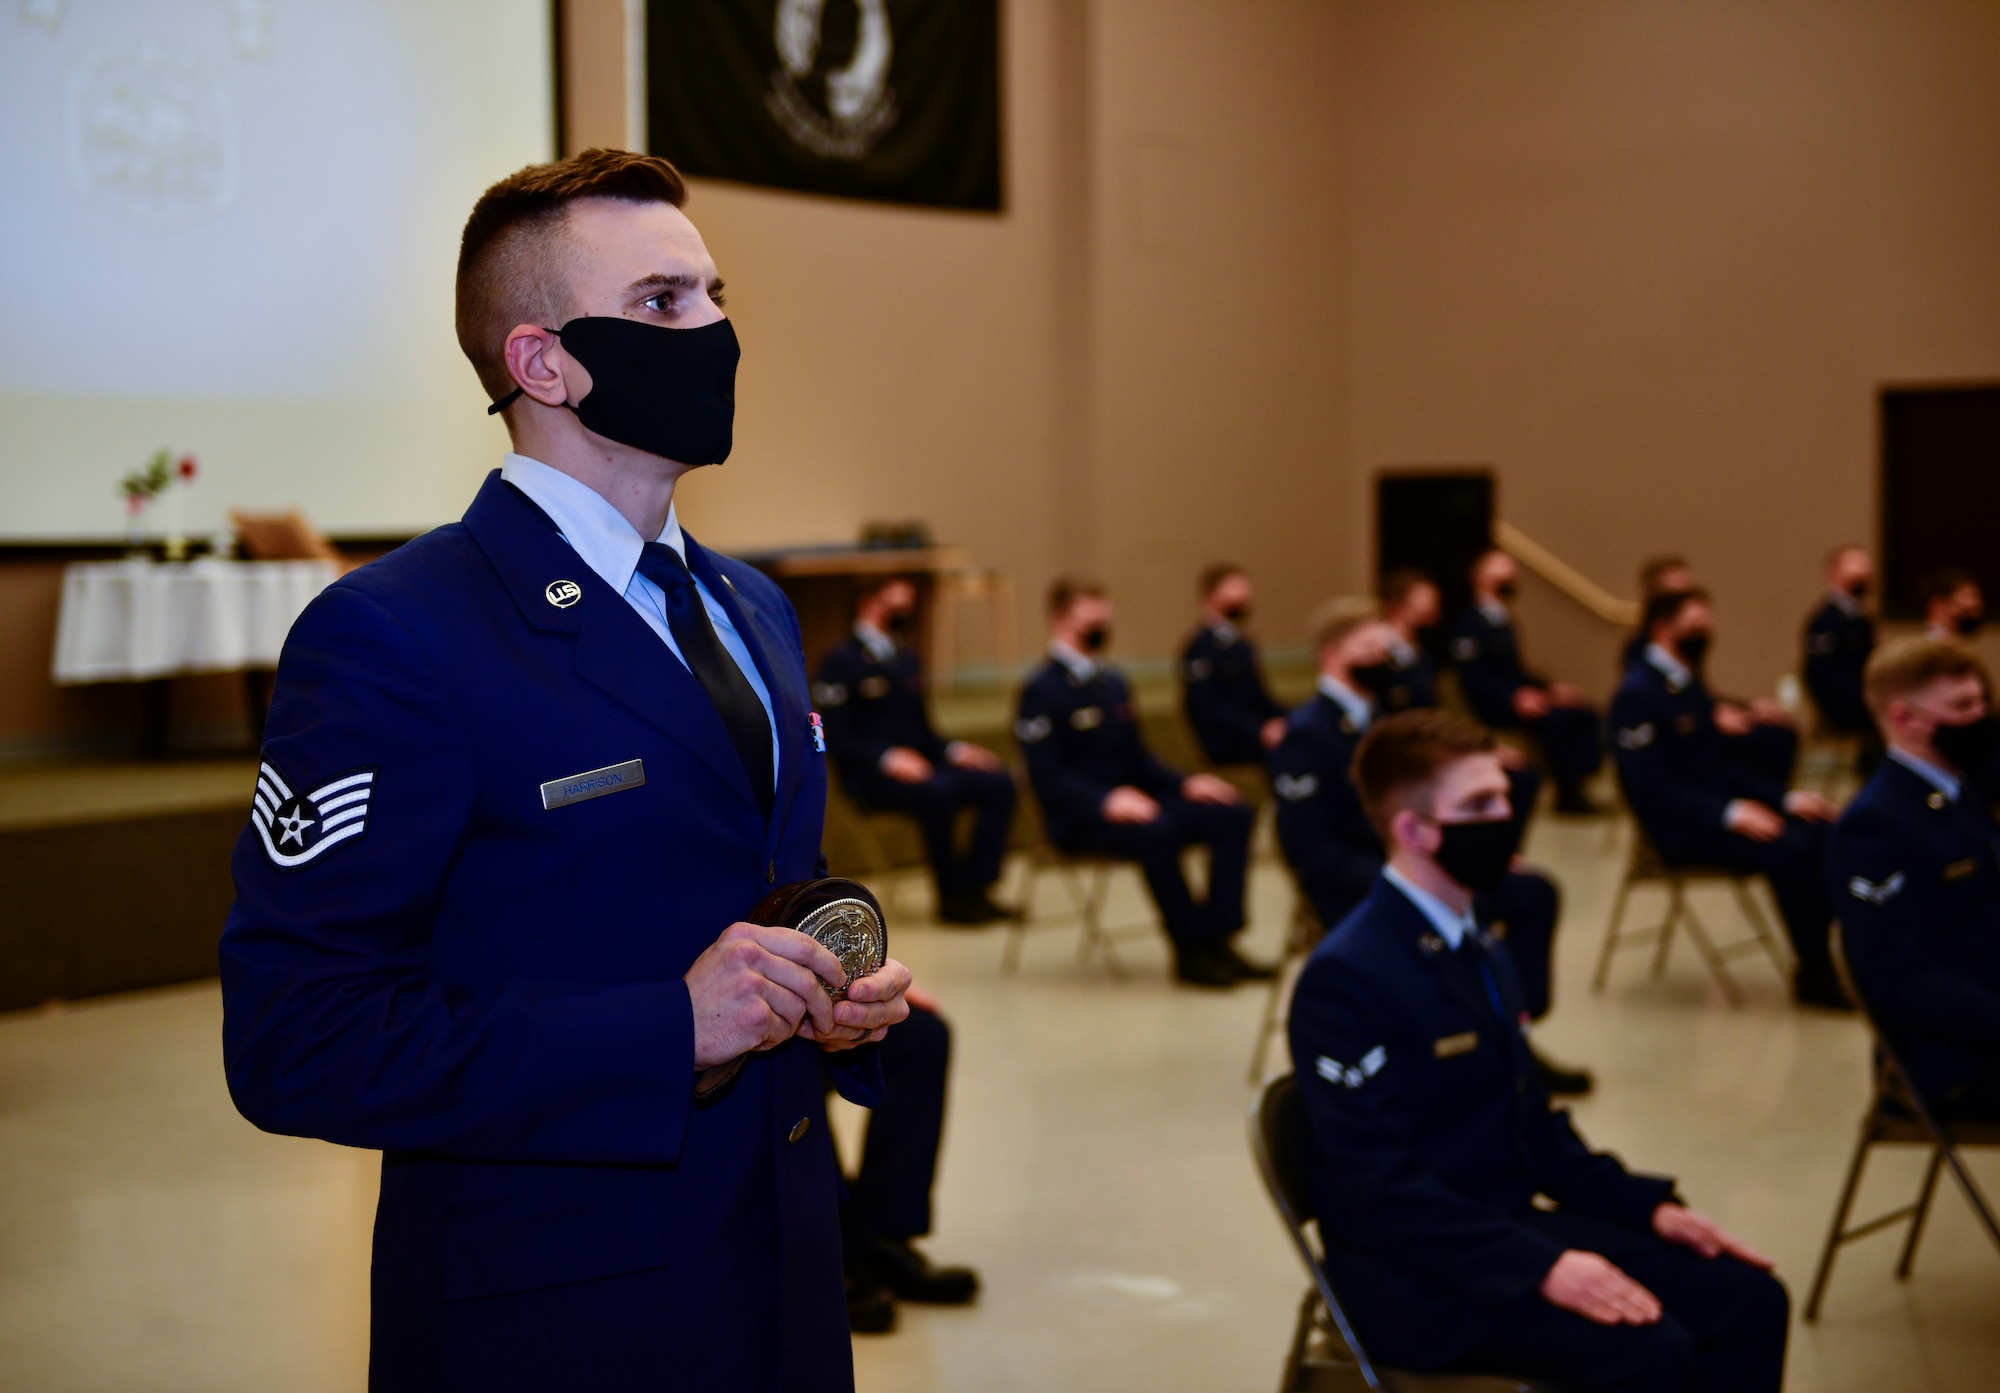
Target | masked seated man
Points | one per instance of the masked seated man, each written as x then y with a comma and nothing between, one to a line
1505,695
1430,1138
1912,870
1103,792
870,692
1331,845
1704,801
1234,717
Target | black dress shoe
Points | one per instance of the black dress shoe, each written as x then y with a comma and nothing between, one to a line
1245,969
871,1310
909,1275
1821,989
1559,1080
1199,965
964,909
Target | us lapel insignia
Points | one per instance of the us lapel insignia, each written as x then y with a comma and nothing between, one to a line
1431,943
1935,802
563,593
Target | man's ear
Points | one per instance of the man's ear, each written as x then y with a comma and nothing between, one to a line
1413,832
539,367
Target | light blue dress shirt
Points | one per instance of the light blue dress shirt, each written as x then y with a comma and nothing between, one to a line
609,546
1928,772
1453,927
1357,708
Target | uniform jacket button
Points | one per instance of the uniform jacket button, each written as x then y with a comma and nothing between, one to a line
799,1129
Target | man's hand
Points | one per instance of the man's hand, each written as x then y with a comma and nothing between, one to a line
754,988
966,755
1732,719
1511,758
1748,818
873,1004
1595,1288
1563,694
905,765
1207,788
1767,712
1531,703
1804,803
1129,805
1271,732
1681,1225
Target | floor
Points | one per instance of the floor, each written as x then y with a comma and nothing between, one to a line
1096,1172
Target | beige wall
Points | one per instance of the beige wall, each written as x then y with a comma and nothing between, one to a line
1650,261
1653,261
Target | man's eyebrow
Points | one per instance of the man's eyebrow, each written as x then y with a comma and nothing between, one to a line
659,281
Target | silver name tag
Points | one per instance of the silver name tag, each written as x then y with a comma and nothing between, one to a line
577,788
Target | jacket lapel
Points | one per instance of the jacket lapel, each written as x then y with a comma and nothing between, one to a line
616,651
1451,968
766,637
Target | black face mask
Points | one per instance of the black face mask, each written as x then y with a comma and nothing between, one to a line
1236,614
1966,625
900,621
1968,745
1375,679
1858,590
1694,648
669,392
1506,591
1094,640
1478,854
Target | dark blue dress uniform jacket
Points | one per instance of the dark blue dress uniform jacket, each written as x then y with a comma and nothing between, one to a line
1412,685
1327,839
1678,771
490,991
1837,649
1430,1134
1488,658
1222,688
871,706
1916,886
1081,739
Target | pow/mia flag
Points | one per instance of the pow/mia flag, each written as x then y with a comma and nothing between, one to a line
298,828
897,100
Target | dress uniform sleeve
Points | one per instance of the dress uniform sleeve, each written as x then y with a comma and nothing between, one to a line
856,749
1357,1078
1657,791
1212,707
332,1026
1309,830
1887,895
1490,681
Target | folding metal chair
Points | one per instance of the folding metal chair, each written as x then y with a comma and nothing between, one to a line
1898,1114
865,829
1645,866
1086,878
1301,934
1325,1356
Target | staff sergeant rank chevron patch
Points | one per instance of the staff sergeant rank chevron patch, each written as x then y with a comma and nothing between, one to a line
296,828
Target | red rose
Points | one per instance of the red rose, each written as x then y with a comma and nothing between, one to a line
185,469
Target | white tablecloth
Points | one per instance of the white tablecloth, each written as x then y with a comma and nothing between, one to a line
127,621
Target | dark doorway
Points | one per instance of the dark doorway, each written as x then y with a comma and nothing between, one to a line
1940,488
1437,519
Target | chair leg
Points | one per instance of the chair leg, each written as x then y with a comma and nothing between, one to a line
1718,966
1095,939
1760,925
1295,1357
1973,1195
1017,930
1903,1263
1677,906
1598,978
1835,1234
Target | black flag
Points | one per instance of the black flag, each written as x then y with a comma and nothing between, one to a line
887,99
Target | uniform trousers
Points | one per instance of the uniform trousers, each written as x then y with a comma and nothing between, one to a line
1768,752
891,1194
1223,828
1572,740
935,804
1792,866
1723,1330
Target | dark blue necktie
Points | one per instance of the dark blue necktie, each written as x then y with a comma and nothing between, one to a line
735,700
